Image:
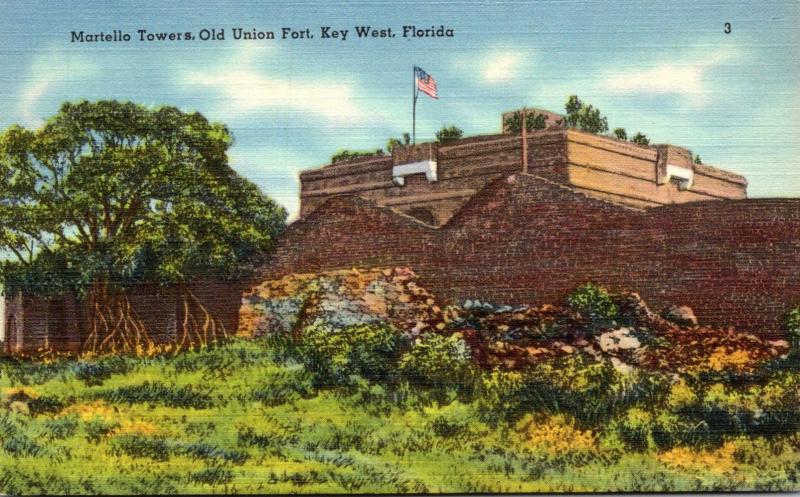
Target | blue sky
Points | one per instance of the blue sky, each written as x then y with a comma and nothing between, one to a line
666,69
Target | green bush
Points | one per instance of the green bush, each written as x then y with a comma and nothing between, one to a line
533,121
347,155
640,139
792,325
438,361
501,392
594,304
367,350
590,392
641,430
449,134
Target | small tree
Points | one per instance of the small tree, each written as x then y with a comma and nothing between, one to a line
393,142
697,159
585,117
621,133
640,139
533,121
449,134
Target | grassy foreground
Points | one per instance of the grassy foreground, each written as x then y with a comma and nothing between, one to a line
248,417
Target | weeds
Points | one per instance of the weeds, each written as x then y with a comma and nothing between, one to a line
159,394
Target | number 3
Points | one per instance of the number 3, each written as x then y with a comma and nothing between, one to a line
727,28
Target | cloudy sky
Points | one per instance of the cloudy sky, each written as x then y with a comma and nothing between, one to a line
666,69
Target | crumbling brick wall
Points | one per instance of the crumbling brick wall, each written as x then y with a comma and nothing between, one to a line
525,239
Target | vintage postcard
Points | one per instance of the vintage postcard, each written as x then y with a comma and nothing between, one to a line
410,247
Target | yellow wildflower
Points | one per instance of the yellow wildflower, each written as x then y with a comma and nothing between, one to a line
719,461
722,359
97,409
556,436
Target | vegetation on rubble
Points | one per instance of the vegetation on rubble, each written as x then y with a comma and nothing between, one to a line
360,381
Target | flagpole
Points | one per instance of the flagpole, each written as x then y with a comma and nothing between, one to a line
414,106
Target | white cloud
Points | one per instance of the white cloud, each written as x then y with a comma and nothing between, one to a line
48,72
246,89
690,79
245,85
501,67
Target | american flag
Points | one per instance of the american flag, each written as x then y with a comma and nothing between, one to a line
425,83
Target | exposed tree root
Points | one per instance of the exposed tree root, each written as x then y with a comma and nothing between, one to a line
114,325
199,326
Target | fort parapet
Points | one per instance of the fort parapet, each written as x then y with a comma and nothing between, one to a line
432,181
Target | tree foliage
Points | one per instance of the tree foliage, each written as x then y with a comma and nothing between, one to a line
533,121
584,117
111,194
449,134
640,139
621,133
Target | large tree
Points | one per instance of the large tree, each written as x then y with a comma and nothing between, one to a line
106,195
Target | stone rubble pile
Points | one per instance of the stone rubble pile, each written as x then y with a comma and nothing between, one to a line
502,336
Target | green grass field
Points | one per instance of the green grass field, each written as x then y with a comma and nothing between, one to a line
245,417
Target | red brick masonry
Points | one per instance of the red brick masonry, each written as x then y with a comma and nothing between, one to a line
526,239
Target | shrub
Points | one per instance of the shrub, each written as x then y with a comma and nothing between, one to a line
590,392
594,304
500,395
368,350
640,139
438,361
792,325
449,134
621,133
347,155
532,121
